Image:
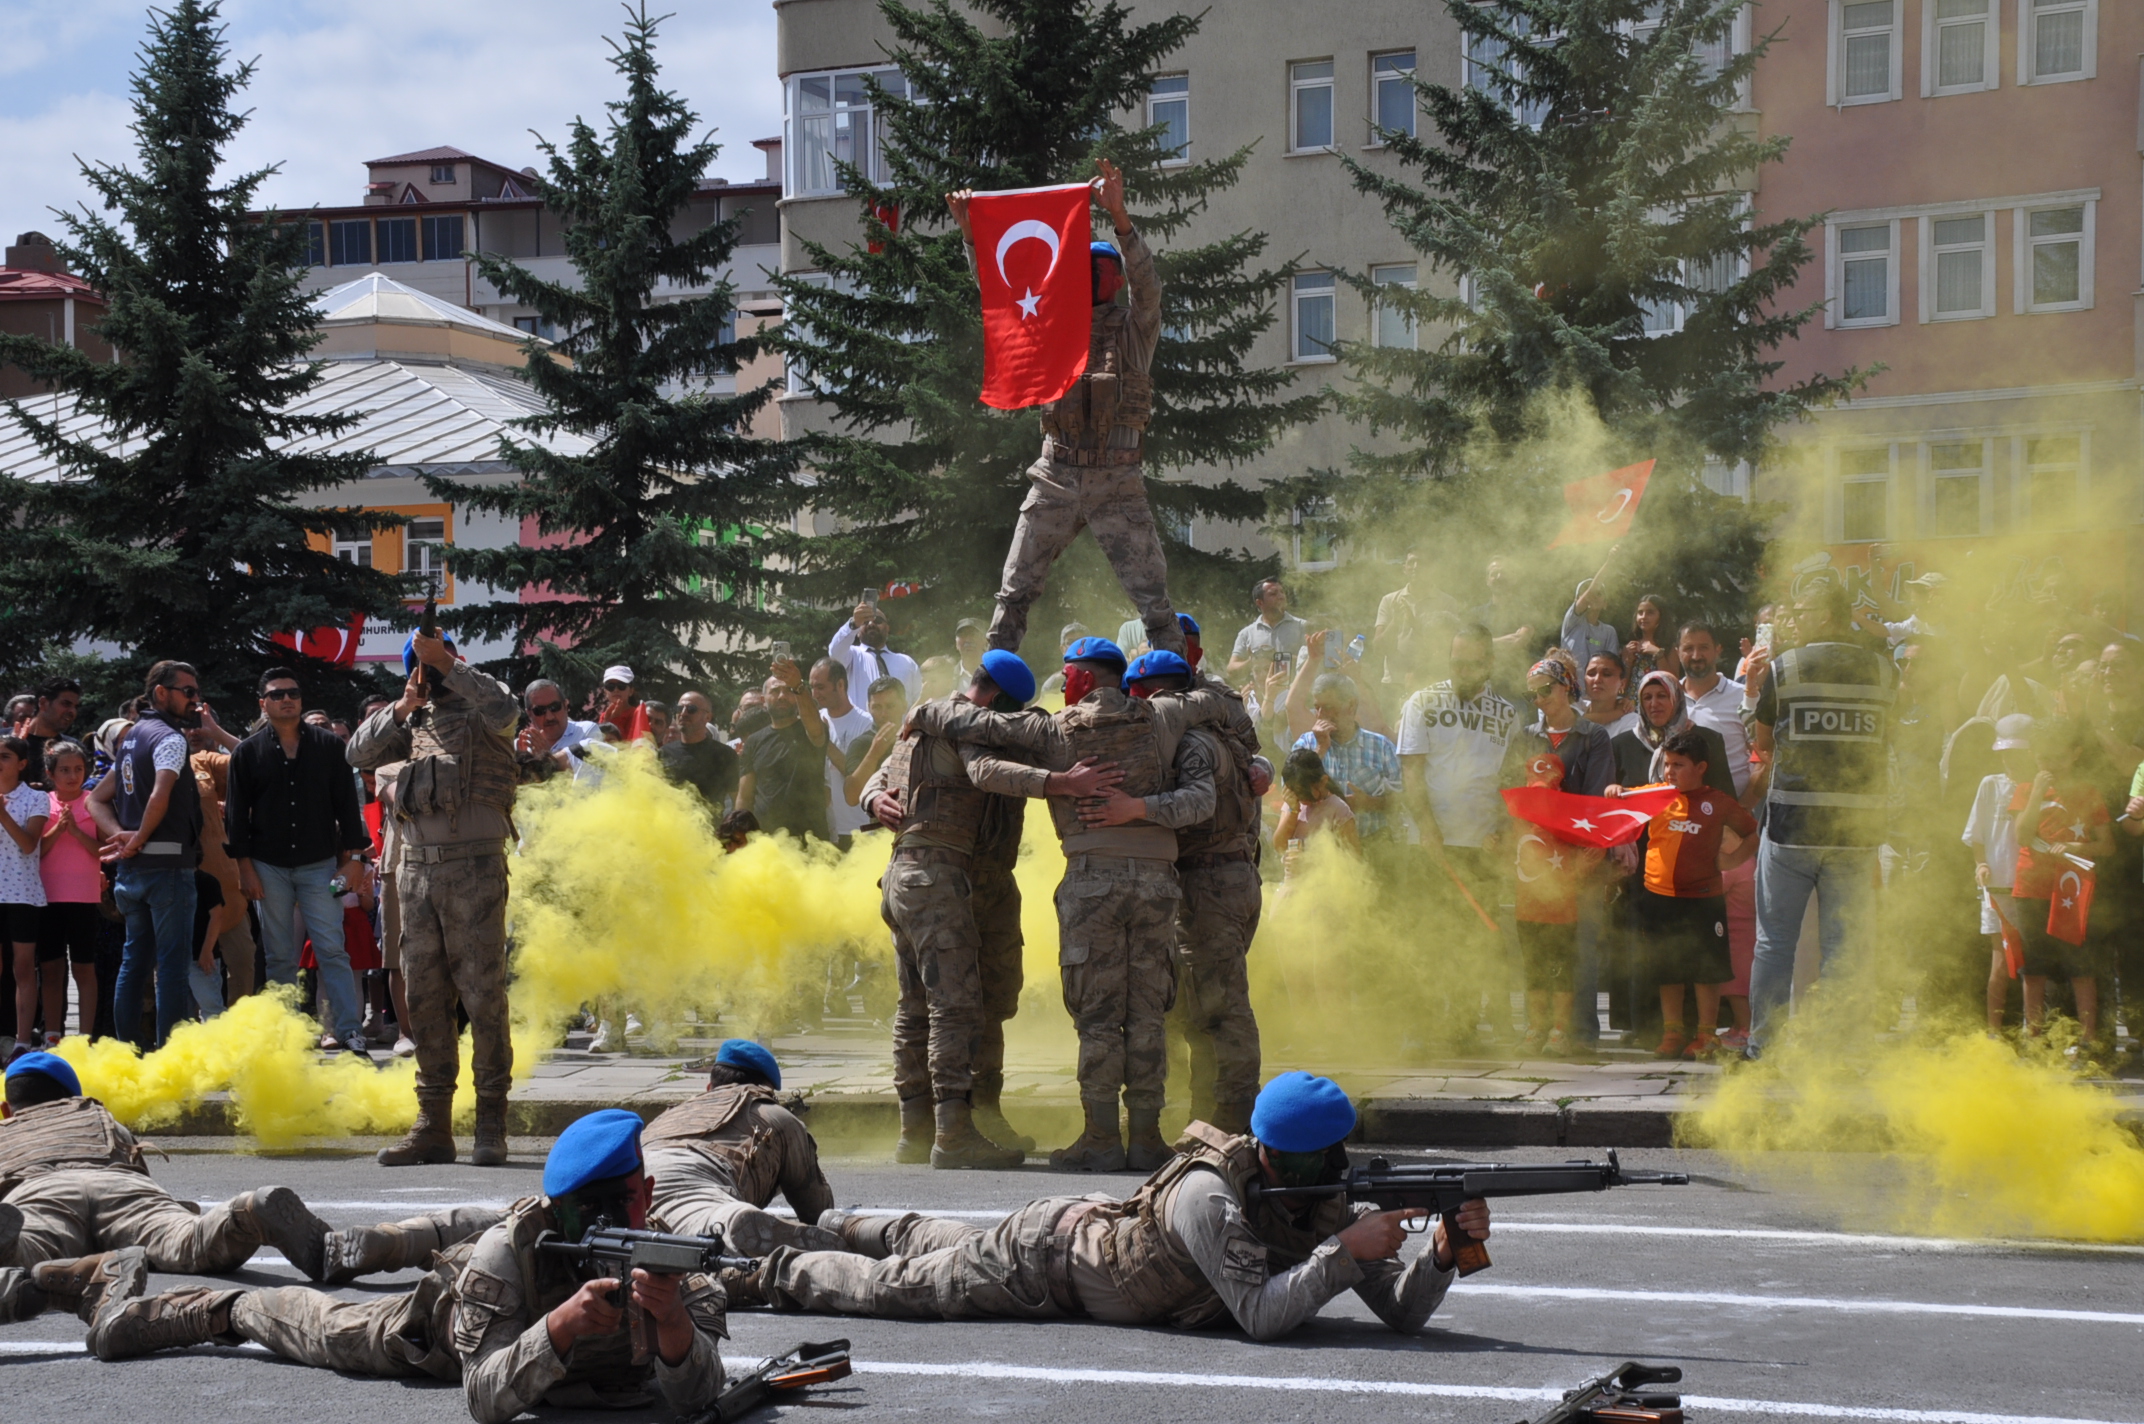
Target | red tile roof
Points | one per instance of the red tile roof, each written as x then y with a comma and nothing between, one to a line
23,284
441,154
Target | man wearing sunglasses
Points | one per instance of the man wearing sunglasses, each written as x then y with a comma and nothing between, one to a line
149,814
293,824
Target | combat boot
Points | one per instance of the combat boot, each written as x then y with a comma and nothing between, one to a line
859,1233
20,1299
983,1100
192,1315
1099,1148
745,1288
369,1250
490,1149
10,1230
85,1283
430,1139
917,1128
959,1145
282,1220
1233,1118
1147,1149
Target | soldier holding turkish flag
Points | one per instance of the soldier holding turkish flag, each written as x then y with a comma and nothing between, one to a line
1096,397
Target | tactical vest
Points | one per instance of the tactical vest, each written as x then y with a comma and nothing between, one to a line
944,805
695,1122
1114,727
1109,394
1830,783
1162,1282
997,840
175,844
1234,827
57,1136
455,761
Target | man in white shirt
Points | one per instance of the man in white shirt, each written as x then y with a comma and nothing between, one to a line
549,731
859,645
1275,631
846,725
1715,701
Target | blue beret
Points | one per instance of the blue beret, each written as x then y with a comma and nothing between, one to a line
1298,1112
600,1145
743,1053
409,654
1095,650
52,1066
1106,249
1158,663
1013,677
1189,624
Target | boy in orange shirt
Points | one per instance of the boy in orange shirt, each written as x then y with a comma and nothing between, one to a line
2059,815
1548,876
1681,908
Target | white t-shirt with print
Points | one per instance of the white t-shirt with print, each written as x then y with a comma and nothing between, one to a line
20,882
844,731
1463,739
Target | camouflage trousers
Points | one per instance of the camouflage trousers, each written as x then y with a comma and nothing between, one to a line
74,1212
935,1270
694,1195
454,947
1111,502
385,1337
935,947
995,901
1213,1001
1114,919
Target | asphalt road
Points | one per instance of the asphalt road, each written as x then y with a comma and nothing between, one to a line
1751,1284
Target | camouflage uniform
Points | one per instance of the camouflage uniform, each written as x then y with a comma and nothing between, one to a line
1119,895
718,1159
995,902
1185,1250
476,1317
453,807
1091,473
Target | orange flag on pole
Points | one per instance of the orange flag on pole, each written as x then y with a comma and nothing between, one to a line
1602,506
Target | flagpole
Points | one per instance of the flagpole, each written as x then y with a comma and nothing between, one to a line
1468,895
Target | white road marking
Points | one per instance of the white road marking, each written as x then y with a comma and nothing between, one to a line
400,1209
1803,1302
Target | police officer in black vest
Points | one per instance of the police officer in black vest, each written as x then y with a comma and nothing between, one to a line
1822,715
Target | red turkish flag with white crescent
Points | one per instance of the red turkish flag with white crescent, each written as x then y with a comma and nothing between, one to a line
330,644
1031,258
2071,905
1602,506
1590,820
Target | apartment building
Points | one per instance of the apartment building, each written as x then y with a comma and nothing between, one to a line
1978,163
40,298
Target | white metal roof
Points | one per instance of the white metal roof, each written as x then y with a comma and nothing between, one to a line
409,413
376,298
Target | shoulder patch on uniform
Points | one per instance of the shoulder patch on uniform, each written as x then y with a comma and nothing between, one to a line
1243,1259
483,1288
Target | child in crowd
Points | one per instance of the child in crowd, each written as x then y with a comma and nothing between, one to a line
202,976
1991,831
1681,906
24,809
2058,816
74,882
1548,875
1308,807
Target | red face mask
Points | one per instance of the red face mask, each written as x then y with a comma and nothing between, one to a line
1079,682
1139,689
1192,651
1108,280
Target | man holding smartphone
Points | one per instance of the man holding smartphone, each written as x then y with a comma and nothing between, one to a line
860,646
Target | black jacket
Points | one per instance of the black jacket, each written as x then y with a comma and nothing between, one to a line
287,812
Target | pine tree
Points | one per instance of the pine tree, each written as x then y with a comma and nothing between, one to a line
926,480
186,541
667,511
1587,189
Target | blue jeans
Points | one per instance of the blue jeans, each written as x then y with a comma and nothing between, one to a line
289,892
1841,878
159,906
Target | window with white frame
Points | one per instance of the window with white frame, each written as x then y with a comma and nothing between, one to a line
830,122
424,549
355,550
1959,45
1315,301
1957,490
1310,106
1394,326
1865,51
1958,267
443,173
1168,104
1713,55
2051,477
2054,266
1392,98
1487,63
1865,495
1317,535
1708,277
2058,40
1865,274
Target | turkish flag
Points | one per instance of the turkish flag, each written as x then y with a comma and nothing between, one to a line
2071,904
1590,820
2013,942
1603,506
328,644
1031,257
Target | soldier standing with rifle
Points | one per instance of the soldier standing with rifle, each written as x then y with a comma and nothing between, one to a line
1092,472
454,799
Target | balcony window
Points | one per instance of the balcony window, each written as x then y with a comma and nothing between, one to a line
443,238
398,240
350,243
831,123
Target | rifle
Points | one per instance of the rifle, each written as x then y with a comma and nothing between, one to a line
607,1252
1438,1189
430,629
1612,1398
807,1364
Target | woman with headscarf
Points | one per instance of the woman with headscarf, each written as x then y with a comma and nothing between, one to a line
1662,712
1558,728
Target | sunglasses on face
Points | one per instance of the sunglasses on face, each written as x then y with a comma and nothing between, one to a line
191,694
547,709
278,694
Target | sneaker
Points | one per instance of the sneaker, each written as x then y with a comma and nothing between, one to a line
1734,1040
1672,1042
601,1042
405,1047
52,1040
632,1024
329,1043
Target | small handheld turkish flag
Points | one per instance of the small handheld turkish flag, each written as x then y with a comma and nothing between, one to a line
1603,506
2071,905
1590,820
2013,942
1031,259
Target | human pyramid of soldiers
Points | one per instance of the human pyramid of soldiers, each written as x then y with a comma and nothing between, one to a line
1153,779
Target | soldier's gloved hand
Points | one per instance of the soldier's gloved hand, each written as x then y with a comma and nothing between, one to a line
587,1311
